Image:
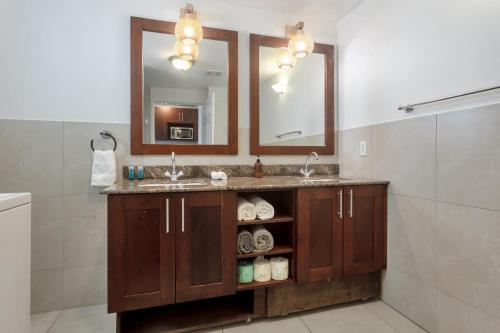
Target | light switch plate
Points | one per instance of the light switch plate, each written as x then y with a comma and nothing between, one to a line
362,148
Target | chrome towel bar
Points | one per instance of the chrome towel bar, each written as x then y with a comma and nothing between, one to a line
288,133
411,107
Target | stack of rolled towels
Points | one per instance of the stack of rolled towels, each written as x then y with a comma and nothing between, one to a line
263,270
253,207
257,240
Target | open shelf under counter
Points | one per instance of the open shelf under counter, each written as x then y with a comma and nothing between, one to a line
255,284
278,249
276,219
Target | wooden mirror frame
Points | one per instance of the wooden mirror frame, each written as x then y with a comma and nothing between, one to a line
137,147
257,41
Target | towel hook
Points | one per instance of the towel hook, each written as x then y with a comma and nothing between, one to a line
105,135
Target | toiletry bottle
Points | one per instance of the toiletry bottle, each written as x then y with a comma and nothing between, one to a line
140,172
131,172
257,169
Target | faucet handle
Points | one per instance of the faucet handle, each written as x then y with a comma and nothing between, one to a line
180,174
303,172
168,174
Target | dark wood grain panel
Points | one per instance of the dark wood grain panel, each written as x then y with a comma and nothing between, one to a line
205,245
319,235
140,253
364,229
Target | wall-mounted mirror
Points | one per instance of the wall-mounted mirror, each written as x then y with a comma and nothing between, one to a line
292,111
174,108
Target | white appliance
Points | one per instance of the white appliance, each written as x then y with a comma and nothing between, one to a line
15,261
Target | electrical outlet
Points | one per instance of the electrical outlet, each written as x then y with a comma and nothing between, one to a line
362,148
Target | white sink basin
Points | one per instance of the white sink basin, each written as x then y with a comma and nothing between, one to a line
173,184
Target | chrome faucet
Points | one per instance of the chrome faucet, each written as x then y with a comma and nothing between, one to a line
174,174
306,172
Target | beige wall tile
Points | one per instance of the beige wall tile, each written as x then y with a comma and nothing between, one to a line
411,297
31,155
404,152
78,155
45,207
469,157
46,244
41,323
455,316
412,237
351,164
84,286
85,241
468,255
46,291
85,205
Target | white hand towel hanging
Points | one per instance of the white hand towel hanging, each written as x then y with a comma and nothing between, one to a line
103,168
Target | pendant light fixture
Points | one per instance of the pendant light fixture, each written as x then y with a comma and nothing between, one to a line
300,43
186,52
180,64
188,29
286,61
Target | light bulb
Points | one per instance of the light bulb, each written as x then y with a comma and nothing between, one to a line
301,44
286,61
180,64
186,52
188,30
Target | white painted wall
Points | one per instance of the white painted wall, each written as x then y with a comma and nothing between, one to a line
397,52
71,59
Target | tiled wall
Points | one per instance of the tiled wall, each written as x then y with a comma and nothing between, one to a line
444,214
53,161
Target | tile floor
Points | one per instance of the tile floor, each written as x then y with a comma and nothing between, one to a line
370,317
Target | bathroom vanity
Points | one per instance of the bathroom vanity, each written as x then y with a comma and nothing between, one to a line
172,255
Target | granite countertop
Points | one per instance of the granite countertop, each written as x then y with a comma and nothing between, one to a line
233,184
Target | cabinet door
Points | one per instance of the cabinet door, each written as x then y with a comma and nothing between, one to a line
205,245
319,224
140,252
364,229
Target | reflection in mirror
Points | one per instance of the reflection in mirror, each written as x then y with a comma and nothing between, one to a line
184,106
291,103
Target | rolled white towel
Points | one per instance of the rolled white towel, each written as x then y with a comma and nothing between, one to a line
218,175
263,240
103,168
246,210
264,209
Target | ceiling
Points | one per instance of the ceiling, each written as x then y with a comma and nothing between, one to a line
324,10
158,72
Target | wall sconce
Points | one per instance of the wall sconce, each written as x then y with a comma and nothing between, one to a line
280,87
300,43
286,61
186,52
188,29
180,64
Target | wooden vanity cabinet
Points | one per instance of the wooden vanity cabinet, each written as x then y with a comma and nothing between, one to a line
319,230
341,231
364,229
170,248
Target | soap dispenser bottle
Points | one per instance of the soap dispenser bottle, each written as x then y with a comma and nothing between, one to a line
257,169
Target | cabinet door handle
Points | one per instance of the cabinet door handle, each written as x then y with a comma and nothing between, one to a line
351,208
341,204
182,115
179,116
168,214
182,216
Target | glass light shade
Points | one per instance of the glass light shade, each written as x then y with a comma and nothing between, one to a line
186,52
301,45
280,87
180,64
188,30
286,61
